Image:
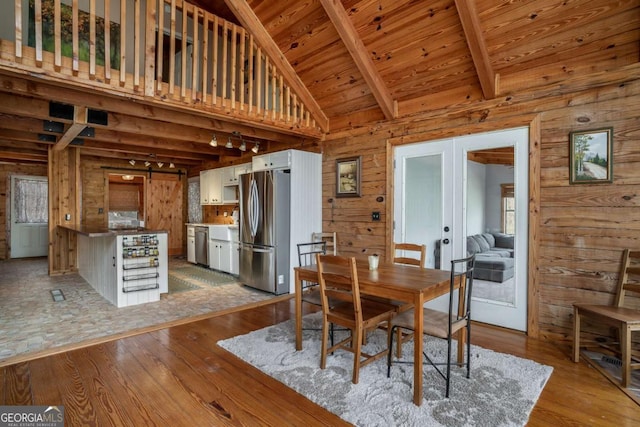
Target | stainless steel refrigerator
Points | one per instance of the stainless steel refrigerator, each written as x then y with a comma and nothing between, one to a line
265,230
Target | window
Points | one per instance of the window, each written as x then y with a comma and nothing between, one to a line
508,209
31,201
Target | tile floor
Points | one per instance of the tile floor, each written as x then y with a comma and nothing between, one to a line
31,321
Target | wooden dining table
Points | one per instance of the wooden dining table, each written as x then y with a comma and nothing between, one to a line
397,282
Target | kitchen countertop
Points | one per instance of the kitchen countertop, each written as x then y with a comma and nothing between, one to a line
94,231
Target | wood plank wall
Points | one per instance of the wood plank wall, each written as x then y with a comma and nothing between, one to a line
582,229
5,191
166,206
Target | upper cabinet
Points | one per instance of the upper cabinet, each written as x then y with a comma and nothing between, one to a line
220,186
210,187
277,160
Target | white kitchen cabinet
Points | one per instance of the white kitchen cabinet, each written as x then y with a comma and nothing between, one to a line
191,244
277,160
231,181
220,255
211,187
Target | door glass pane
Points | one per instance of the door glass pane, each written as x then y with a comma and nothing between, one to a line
423,204
31,201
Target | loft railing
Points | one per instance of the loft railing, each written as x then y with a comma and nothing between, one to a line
166,49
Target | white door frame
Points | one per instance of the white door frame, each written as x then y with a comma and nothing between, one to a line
27,240
511,316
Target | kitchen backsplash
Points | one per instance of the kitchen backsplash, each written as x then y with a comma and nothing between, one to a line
214,214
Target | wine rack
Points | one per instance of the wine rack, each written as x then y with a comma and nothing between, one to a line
140,263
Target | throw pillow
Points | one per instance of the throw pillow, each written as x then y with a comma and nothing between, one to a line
472,246
484,245
504,240
490,239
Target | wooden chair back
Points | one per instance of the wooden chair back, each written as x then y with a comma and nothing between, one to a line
629,278
419,253
330,238
338,278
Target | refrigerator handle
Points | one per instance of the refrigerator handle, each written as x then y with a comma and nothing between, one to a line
254,208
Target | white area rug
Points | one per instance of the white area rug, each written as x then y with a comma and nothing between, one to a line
502,389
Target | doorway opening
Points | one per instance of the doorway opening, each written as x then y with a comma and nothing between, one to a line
440,199
29,225
126,201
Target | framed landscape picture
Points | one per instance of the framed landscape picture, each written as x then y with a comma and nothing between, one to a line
348,177
591,156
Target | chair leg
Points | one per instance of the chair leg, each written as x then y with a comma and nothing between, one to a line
356,343
323,353
390,353
469,349
625,347
448,365
576,335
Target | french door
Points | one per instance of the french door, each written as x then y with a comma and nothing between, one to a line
29,216
433,189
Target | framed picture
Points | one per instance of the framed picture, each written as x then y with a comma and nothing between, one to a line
348,177
591,156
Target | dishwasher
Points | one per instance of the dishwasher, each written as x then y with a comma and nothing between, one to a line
202,245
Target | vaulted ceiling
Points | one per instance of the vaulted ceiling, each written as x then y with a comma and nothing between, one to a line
366,61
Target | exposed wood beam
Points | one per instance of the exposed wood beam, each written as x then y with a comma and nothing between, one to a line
251,23
196,118
475,40
352,41
24,157
79,123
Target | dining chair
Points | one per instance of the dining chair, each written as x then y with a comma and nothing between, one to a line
410,254
457,321
419,253
311,290
625,320
338,279
330,238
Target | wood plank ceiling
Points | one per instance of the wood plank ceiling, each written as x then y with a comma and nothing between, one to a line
362,61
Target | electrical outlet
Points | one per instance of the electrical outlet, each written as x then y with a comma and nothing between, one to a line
375,216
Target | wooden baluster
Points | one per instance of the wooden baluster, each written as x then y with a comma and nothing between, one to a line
288,106
243,68
38,31
225,42
205,56
214,65
75,42
107,40
252,57
258,80
136,44
266,85
172,49
294,119
123,42
18,19
273,92
281,96
234,56
92,39
159,49
150,47
195,64
183,67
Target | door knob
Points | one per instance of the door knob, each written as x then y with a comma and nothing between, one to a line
445,241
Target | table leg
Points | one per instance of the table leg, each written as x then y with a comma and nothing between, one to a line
417,350
298,284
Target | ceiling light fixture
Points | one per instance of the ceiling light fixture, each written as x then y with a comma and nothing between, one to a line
243,146
171,165
160,164
132,162
256,148
214,141
147,163
229,144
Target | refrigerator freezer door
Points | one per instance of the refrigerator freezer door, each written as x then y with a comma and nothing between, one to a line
257,208
258,267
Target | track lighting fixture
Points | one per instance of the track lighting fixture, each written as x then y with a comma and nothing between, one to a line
147,163
243,146
229,144
171,165
132,162
160,164
214,141
256,148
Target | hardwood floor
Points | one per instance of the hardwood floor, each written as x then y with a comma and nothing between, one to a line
179,376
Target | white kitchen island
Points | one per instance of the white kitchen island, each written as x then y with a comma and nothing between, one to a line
127,267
